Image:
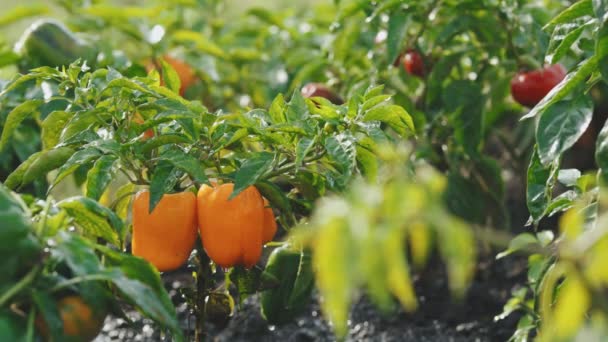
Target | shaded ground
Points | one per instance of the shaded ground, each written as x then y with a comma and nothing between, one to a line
438,318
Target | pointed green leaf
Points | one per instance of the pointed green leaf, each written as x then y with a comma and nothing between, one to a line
45,162
187,163
100,176
94,218
561,125
170,76
251,170
81,157
164,179
15,117
52,126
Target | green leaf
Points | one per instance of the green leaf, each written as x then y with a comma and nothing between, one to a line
266,16
561,125
255,167
374,101
114,13
201,43
457,247
21,12
45,162
122,201
124,83
561,42
47,307
20,81
187,163
565,87
335,271
15,117
398,279
518,243
466,100
465,198
136,268
164,179
170,76
76,253
342,151
235,137
93,218
539,185
146,298
346,39
76,160
80,123
162,140
277,198
302,148
601,48
297,110
578,9
395,35
368,162
277,110
15,221
52,126
14,180
395,116
100,176
601,152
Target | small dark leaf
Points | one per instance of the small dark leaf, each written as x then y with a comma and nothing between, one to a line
255,167
163,180
187,163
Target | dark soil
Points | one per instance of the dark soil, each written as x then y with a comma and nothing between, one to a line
439,317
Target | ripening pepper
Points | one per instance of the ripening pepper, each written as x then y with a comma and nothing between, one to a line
234,231
166,236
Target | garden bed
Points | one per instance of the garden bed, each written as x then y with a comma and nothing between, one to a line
439,318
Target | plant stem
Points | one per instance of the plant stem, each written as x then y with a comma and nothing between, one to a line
25,281
203,284
288,167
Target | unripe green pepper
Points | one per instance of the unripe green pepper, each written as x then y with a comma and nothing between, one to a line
292,270
48,42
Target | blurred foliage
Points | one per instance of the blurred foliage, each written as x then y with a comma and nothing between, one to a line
368,237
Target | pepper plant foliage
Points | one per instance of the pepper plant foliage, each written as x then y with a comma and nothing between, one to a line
36,270
308,139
